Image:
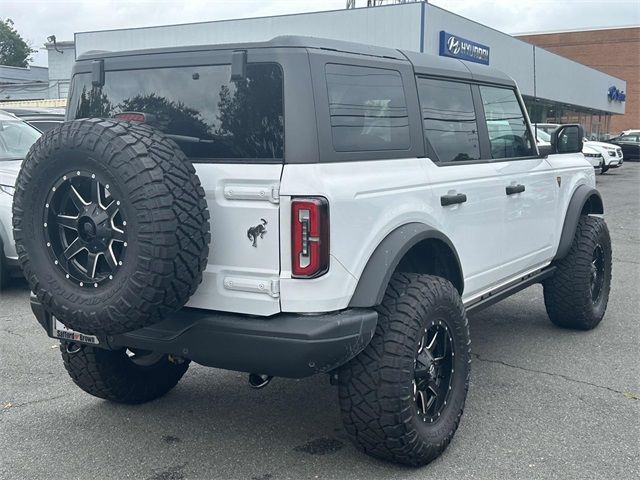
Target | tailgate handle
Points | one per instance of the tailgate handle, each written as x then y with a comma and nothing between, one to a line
446,200
513,189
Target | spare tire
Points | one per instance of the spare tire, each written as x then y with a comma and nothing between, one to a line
111,225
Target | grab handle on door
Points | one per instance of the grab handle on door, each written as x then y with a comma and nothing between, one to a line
513,189
452,199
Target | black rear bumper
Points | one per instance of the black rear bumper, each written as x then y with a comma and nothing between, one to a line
284,345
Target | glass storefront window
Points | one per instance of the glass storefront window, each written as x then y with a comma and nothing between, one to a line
595,123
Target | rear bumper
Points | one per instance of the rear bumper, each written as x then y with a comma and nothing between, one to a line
285,345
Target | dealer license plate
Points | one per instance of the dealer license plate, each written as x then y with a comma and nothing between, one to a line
61,331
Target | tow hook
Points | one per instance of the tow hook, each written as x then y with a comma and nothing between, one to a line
259,380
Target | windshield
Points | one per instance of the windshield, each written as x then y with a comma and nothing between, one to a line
16,137
544,136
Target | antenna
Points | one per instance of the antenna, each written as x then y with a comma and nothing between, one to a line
376,3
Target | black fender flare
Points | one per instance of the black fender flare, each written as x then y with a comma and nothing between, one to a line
583,196
386,257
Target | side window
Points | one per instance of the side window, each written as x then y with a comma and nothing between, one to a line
449,119
507,127
368,109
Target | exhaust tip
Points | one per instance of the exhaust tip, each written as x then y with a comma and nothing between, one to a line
259,380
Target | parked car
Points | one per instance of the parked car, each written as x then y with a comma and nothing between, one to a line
16,137
612,154
364,200
41,118
593,156
630,145
627,132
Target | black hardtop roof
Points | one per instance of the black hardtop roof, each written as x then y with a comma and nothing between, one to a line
423,63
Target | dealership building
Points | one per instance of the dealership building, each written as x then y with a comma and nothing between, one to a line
555,89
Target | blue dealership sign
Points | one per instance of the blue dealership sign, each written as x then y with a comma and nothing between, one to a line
615,95
463,49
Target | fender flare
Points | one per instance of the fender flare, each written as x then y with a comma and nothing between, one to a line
584,195
386,257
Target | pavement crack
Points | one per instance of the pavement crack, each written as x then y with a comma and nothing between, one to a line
11,332
557,375
10,406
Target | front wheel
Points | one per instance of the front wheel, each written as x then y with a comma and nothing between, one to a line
577,295
123,376
402,398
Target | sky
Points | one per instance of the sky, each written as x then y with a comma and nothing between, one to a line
37,19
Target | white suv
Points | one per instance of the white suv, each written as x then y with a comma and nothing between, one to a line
360,201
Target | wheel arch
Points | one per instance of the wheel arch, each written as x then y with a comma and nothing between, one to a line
413,247
586,200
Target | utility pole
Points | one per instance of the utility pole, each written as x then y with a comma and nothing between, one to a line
376,3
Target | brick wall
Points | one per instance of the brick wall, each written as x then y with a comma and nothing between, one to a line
613,51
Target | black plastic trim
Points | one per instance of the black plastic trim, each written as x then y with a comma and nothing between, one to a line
97,73
495,296
386,257
285,345
580,197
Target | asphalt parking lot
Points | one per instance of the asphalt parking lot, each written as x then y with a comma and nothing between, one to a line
543,402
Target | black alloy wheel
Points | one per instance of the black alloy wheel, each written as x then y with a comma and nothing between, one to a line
433,371
597,273
85,229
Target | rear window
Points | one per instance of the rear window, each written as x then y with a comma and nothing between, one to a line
368,109
207,114
449,119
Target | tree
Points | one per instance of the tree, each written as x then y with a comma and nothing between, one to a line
14,50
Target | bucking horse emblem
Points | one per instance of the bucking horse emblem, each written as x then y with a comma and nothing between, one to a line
258,231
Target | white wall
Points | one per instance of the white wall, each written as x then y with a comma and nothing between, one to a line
60,65
566,81
388,26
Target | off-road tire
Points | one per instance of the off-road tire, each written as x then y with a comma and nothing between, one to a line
112,375
376,387
167,228
568,295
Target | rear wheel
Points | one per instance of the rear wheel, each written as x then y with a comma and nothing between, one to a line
403,396
123,376
577,295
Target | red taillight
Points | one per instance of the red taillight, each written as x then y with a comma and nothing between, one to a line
309,237
131,117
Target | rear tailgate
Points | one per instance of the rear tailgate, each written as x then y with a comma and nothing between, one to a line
243,269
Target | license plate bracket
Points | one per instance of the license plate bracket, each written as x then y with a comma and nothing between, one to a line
60,331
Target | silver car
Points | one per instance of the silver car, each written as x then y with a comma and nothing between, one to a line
16,137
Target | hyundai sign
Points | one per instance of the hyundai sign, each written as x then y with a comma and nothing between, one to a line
463,49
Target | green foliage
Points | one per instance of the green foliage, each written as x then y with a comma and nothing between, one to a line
93,104
171,116
14,50
251,119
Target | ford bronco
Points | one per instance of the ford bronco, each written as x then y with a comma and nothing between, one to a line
302,206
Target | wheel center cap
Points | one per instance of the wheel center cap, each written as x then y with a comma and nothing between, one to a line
87,229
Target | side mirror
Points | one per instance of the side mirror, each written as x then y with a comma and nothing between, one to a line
567,139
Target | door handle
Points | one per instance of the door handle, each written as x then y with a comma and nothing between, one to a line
452,199
513,189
